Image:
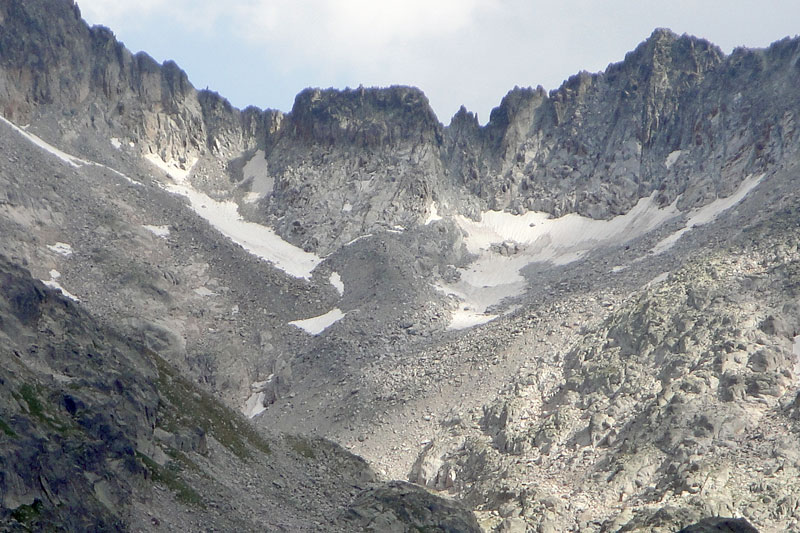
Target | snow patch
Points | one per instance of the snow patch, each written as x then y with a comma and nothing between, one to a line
347,207
259,240
708,213
494,277
158,231
252,197
562,240
619,268
367,236
254,405
54,284
172,168
672,158
116,143
65,157
61,248
256,170
318,324
433,216
338,284
464,318
202,291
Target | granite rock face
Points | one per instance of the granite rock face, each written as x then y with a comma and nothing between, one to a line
403,508
720,525
645,383
346,163
75,402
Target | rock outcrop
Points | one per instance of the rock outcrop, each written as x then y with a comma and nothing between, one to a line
644,383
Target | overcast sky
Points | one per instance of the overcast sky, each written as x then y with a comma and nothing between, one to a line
470,52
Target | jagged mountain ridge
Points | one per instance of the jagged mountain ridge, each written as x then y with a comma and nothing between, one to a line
594,146
356,174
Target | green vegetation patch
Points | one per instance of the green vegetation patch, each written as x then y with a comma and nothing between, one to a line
24,514
5,428
28,393
301,446
168,476
187,406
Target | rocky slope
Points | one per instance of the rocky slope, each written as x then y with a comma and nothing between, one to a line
98,433
611,349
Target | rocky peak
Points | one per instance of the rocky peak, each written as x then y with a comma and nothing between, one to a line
366,118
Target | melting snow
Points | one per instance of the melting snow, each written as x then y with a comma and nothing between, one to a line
318,324
158,231
708,213
54,284
116,143
338,284
65,157
254,405
61,248
259,240
172,168
257,170
494,277
672,157
434,214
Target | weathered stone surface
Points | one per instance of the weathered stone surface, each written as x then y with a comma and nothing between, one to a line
404,508
720,525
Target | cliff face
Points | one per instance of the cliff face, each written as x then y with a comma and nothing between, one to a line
632,370
602,141
346,163
55,68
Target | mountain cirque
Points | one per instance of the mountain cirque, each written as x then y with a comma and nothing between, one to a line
581,316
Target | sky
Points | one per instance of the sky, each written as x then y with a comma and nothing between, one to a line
459,52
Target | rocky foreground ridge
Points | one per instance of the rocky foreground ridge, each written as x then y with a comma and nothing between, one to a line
581,316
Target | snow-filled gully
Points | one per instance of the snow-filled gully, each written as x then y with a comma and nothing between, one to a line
535,238
257,239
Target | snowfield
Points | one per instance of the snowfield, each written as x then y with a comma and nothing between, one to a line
534,237
158,231
708,213
317,324
61,248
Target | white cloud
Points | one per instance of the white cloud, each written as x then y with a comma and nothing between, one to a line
352,31
458,51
